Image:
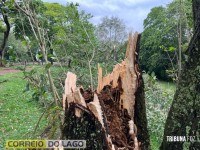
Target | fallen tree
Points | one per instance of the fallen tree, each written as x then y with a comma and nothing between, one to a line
114,115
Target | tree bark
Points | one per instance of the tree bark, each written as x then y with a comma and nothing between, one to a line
184,115
5,38
179,31
114,116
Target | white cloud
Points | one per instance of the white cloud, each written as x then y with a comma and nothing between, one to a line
110,6
138,1
133,12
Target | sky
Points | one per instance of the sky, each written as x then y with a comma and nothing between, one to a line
132,12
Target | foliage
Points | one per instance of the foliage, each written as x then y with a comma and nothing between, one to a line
112,34
158,97
161,30
22,25
39,89
38,85
16,51
69,35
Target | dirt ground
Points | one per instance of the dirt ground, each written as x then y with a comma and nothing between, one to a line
7,70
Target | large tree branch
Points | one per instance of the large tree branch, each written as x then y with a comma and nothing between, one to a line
21,9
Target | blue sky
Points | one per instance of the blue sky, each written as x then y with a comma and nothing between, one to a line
132,12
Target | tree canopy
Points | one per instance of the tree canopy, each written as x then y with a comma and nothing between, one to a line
160,42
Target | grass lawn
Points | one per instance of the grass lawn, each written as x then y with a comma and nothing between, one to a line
167,86
18,114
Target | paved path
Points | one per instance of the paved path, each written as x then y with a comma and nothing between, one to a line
7,70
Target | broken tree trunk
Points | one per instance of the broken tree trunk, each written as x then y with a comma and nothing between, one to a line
114,116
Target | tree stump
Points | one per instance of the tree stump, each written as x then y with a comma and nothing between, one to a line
114,115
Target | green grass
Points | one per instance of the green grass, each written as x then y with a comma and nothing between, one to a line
18,114
169,87
154,142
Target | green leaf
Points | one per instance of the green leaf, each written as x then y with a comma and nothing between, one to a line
172,49
39,56
48,66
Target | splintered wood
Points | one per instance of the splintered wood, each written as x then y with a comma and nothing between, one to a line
126,72
72,93
112,104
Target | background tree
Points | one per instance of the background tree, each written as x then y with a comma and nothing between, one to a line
184,115
68,33
73,37
23,29
16,51
36,22
162,51
4,10
179,14
153,58
111,33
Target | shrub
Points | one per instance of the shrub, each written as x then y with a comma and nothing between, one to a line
158,101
